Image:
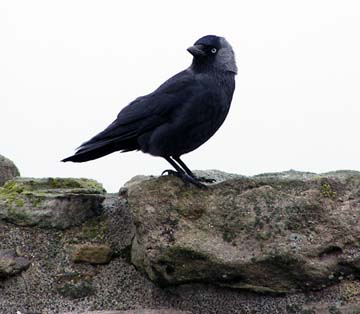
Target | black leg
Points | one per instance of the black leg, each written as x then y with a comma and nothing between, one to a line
182,164
189,172
182,174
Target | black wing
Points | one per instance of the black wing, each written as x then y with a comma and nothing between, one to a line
143,114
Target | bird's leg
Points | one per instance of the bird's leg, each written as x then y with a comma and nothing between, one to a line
182,164
190,173
182,174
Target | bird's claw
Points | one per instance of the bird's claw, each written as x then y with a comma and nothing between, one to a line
170,172
184,177
206,180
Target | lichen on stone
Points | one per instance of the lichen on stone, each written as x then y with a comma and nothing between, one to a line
50,202
327,191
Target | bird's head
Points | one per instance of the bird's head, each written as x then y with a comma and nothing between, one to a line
213,51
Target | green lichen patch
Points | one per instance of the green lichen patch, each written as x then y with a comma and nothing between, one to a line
50,202
19,202
327,191
73,185
37,189
11,186
19,216
10,191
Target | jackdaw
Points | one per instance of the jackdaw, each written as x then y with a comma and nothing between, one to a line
179,116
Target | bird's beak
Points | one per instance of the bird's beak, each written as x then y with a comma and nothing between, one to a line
197,50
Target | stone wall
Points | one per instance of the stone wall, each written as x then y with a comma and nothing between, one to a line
275,243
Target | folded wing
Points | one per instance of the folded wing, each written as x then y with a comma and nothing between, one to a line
142,115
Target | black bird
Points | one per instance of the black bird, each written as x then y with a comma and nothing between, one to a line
179,116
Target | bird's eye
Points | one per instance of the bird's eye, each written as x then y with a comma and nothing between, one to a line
213,50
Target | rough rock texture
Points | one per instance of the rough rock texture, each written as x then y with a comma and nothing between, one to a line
11,264
273,233
140,311
55,284
8,170
50,202
90,253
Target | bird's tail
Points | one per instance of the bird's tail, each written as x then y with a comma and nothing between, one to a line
82,156
93,150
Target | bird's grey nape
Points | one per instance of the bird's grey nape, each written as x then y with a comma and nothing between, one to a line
226,57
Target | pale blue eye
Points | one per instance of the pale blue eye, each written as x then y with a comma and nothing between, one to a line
213,50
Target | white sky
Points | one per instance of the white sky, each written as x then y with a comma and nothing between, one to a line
68,67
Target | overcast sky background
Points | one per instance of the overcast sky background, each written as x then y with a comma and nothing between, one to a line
68,67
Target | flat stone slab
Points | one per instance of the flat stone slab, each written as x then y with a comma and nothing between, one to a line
271,233
90,253
50,202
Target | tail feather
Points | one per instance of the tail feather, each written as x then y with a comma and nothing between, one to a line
116,137
98,150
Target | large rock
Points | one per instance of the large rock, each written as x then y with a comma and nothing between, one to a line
8,170
11,264
55,284
50,202
274,233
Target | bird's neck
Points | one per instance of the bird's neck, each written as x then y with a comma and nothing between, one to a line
205,67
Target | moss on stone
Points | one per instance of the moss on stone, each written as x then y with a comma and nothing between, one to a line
19,202
44,185
17,215
10,191
327,191
14,192
42,202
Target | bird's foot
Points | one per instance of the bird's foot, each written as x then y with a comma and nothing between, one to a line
204,179
170,172
185,178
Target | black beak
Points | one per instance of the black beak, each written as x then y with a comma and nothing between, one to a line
197,51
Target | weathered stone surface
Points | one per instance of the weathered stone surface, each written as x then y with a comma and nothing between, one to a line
133,181
329,309
8,170
75,285
90,253
272,233
139,311
11,264
54,284
50,202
